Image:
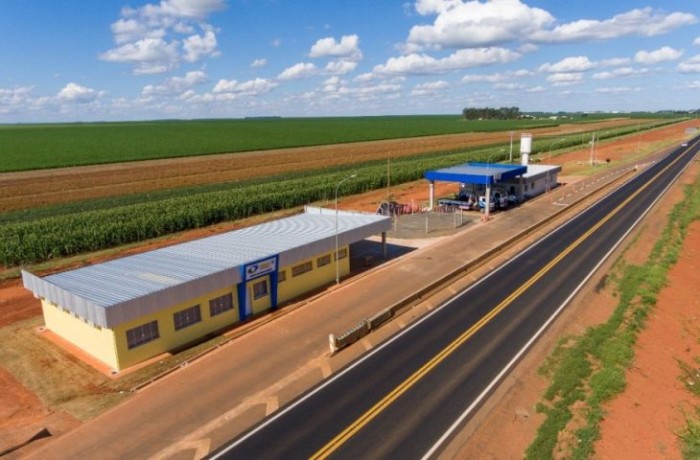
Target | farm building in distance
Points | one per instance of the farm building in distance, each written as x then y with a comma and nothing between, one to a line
128,310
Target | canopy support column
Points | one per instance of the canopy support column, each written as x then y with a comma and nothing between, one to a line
487,210
432,195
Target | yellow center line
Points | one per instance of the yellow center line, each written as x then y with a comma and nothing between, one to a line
404,386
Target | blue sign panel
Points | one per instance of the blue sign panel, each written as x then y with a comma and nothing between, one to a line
259,268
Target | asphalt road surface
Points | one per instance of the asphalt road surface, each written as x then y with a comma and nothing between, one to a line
403,399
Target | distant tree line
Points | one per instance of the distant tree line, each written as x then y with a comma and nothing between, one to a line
489,113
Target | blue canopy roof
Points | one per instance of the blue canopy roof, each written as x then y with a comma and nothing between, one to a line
477,173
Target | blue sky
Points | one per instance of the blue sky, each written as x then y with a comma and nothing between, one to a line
81,60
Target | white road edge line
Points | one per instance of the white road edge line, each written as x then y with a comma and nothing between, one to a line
541,330
326,383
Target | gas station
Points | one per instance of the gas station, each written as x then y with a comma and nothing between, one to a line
521,181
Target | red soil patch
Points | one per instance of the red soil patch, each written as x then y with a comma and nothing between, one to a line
22,415
16,303
644,421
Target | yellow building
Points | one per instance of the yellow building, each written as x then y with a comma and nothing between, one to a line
128,310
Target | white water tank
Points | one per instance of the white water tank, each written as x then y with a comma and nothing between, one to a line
525,148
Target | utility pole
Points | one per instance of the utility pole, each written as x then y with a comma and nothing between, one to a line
593,149
388,177
510,158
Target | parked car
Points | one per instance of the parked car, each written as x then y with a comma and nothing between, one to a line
388,208
500,199
482,203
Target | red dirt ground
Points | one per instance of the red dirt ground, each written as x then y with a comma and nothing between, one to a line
644,422
21,411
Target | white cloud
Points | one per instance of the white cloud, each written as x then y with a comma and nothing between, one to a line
496,77
696,42
73,92
370,92
692,85
638,22
15,99
614,62
151,55
276,43
509,86
347,47
422,64
663,54
175,85
617,90
300,70
620,73
198,46
191,9
429,88
254,87
340,67
258,63
127,30
149,37
492,78
469,24
473,23
570,64
561,79
691,65
528,48
535,89
366,77
332,84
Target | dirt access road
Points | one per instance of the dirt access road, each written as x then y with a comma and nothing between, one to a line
23,411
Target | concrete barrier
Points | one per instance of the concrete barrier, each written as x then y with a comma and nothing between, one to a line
349,337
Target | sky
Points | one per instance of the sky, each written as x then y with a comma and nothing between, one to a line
116,60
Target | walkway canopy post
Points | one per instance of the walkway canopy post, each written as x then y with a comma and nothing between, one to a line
432,195
488,201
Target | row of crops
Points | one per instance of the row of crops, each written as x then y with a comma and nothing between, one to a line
65,231
61,145
51,146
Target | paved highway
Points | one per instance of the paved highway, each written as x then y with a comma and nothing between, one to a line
403,399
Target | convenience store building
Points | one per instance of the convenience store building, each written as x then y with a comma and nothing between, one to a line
128,310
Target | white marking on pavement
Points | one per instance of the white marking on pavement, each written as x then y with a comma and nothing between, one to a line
266,397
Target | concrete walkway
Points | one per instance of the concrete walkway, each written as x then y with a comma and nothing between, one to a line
199,407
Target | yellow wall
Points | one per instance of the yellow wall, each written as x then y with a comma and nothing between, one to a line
98,342
110,346
169,337
295,286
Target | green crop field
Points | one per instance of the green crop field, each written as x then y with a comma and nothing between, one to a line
26,147
42,234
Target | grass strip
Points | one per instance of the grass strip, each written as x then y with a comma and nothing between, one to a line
588,370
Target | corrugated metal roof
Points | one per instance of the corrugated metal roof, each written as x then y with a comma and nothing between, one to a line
120,290
538,170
